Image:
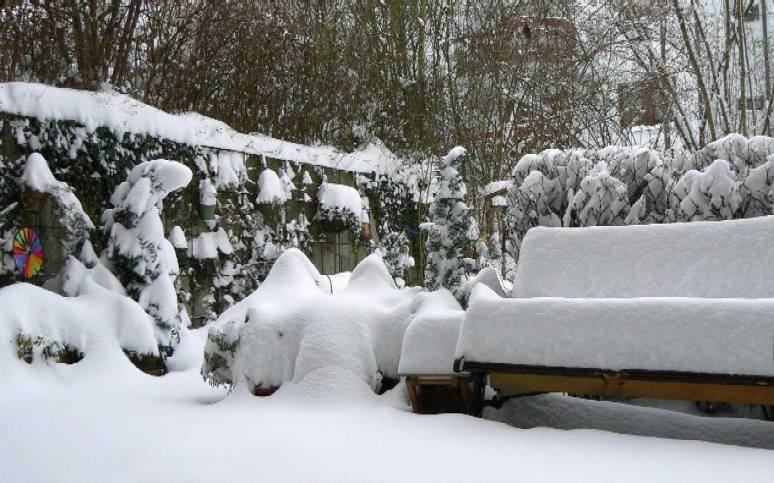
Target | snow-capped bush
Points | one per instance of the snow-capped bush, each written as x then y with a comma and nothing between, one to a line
263,342
449,229
137,251
536,202
601,200
394,247
713,194
756,191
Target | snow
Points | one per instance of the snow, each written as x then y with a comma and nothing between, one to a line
231,169
357,329
37,175
676,419
113,423
496,187
209,244
339,197
721,336
122,114
208,194
271,190
177,237
93,320
431,337
700,259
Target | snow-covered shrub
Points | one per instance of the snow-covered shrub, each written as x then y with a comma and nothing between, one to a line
90,321
137,251
713,194
536,202
394,247
542,163
756,191
733,148
394,201
339,207
448,230
263,342
76,223
601,200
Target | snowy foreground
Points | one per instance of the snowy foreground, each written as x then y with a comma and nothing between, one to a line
71,423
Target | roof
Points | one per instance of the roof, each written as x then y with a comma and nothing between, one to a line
121,113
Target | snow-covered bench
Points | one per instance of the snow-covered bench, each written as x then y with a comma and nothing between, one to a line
683,311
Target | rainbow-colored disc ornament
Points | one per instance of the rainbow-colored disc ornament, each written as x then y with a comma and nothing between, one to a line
28,252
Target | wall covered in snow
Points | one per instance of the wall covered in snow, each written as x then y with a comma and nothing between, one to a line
92,140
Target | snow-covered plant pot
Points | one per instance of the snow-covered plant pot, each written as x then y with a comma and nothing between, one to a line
182,256
208,199
339,208
207,212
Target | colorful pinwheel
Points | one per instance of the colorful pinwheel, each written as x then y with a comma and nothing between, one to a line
28,252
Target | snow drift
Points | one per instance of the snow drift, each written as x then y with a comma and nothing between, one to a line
92,321
293,326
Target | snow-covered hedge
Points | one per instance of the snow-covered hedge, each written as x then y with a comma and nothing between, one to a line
730,178
720,336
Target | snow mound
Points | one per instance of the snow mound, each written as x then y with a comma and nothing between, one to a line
264,341
569,413
700,259
721,336
94,322
431,337
37,175
488,276
121,114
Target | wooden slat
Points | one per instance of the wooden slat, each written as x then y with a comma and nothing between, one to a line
618,385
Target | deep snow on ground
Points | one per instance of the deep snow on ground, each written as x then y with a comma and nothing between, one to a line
84,424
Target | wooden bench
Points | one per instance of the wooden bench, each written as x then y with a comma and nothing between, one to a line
686,272
513,379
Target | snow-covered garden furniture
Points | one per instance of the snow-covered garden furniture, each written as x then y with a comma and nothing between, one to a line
427,355
683,311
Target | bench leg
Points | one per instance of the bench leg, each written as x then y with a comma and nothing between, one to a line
464,390
477,399
411,388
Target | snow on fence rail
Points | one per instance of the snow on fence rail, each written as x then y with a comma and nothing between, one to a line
122,114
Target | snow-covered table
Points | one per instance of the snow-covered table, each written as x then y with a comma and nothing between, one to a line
681,311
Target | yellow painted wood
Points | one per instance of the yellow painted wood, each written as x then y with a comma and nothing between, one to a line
616,385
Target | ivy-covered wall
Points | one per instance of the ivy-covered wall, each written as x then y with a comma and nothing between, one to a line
93,163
